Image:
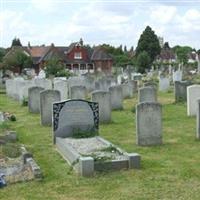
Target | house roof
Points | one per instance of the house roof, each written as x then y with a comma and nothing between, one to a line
167,54
100,54
38,52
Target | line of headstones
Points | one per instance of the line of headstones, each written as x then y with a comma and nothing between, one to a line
148,111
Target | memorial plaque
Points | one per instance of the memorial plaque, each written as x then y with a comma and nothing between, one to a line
74,116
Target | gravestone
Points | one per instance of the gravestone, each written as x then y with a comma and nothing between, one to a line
149,123
78,92
180,90
62,87
34,99
9,87
193,94
133,85
164,83
147,94
44,83
116,97
47,98
198,120
127,91
177,75
104,100
74,117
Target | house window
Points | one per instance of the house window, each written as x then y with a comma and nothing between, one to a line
77,55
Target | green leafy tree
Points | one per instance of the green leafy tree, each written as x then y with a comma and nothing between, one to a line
16,42
182,53
143,61
54,67
149,43
18,58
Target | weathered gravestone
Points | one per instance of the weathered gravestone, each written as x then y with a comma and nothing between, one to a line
127,91
149,123
116,97
44,83
104,100
74,117
34,99
164,83
180,90
177,75
198,120
78,92
61,86
147,94
133,85
193,94
47,98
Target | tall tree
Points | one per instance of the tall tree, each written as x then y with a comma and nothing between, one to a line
149,43
16,42
143,61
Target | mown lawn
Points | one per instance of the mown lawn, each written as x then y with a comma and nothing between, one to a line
170,171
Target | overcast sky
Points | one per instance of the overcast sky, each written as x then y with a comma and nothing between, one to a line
99,21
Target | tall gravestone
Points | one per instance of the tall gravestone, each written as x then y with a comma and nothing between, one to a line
127,91
104,100
47,98
133,85
164,84
62,86
78,92
177,75
193,94
34,99
149,123
75,117
116,97
180,90
147,94
198,120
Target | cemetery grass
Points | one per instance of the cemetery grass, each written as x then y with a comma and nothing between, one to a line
169,171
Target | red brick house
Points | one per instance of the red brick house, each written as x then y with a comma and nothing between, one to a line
77,57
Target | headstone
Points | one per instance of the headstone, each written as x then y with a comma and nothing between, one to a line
44,83
181,90
177,75
147,94
133,85
62,87
116,97
78,92
164,84
104,100
34,99
127,91
198,120
149,123
75,116
47,98
193,94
